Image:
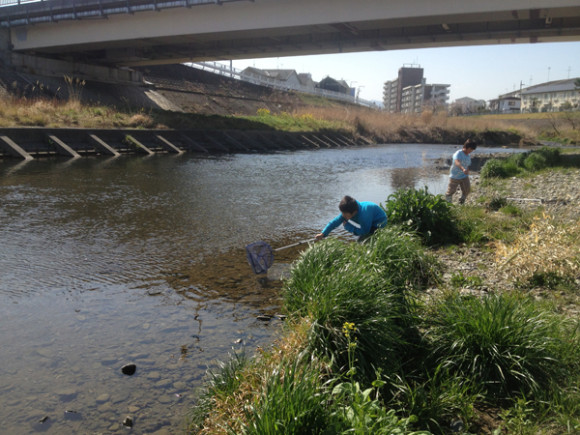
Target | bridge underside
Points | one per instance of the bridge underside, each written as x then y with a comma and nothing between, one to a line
131,43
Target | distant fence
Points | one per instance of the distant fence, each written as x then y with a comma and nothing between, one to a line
227,71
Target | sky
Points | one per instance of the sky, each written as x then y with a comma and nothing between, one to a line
479,72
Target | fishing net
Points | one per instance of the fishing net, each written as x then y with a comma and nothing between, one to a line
260,256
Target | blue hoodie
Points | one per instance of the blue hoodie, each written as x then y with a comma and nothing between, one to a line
369,217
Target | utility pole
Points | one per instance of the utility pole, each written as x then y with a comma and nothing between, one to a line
521,98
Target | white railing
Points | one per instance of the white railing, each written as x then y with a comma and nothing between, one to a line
17,2
225,70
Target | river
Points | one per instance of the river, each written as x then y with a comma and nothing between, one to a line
110,261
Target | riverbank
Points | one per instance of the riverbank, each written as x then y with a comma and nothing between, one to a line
463,357
548,201
182,98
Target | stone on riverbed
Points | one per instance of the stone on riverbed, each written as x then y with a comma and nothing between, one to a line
129,369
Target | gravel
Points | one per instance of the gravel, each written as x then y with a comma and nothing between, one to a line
557,193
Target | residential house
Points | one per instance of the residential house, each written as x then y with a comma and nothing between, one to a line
338,86
506,103
280,78
467,105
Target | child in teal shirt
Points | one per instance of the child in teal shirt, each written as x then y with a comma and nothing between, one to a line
459,172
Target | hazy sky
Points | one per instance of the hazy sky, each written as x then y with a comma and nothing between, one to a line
480,72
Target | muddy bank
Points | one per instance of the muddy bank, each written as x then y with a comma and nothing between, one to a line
439,135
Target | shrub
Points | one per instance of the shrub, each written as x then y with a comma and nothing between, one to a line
552,155
418,211
518,159
530,161
535,162
493,168
498,168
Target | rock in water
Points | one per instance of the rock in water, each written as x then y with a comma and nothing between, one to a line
128,422
129,369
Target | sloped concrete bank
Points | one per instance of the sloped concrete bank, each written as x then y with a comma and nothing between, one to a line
31,143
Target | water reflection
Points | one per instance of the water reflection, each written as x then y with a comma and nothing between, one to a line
109,260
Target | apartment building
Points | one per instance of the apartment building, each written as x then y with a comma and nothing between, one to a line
552,96
409,92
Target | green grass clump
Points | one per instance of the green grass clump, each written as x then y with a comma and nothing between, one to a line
505,342
220,384
497,168
285,121
430,216
535,162
477,226
438,399
551,280
291,402
333,283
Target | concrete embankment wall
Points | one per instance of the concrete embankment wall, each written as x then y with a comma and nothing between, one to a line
31,143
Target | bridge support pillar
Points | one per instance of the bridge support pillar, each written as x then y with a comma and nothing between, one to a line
4,46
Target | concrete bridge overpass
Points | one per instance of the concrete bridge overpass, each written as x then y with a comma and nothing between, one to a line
117,33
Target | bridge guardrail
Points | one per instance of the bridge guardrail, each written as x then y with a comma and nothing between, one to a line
24,12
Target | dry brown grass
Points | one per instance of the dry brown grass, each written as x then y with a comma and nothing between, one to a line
548,247
434,127
23,112
399,127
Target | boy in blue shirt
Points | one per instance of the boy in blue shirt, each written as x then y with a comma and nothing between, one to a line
360,218
459,172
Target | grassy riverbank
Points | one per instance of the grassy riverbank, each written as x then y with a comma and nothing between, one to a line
391,336
313,114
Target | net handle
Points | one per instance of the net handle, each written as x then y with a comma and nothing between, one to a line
302,242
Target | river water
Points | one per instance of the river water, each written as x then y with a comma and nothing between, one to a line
105,262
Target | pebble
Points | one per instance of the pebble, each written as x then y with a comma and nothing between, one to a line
128,422
549,187
102,398
129,369
558,193
67,394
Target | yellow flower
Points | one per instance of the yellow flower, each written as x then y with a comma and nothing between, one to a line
347,328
